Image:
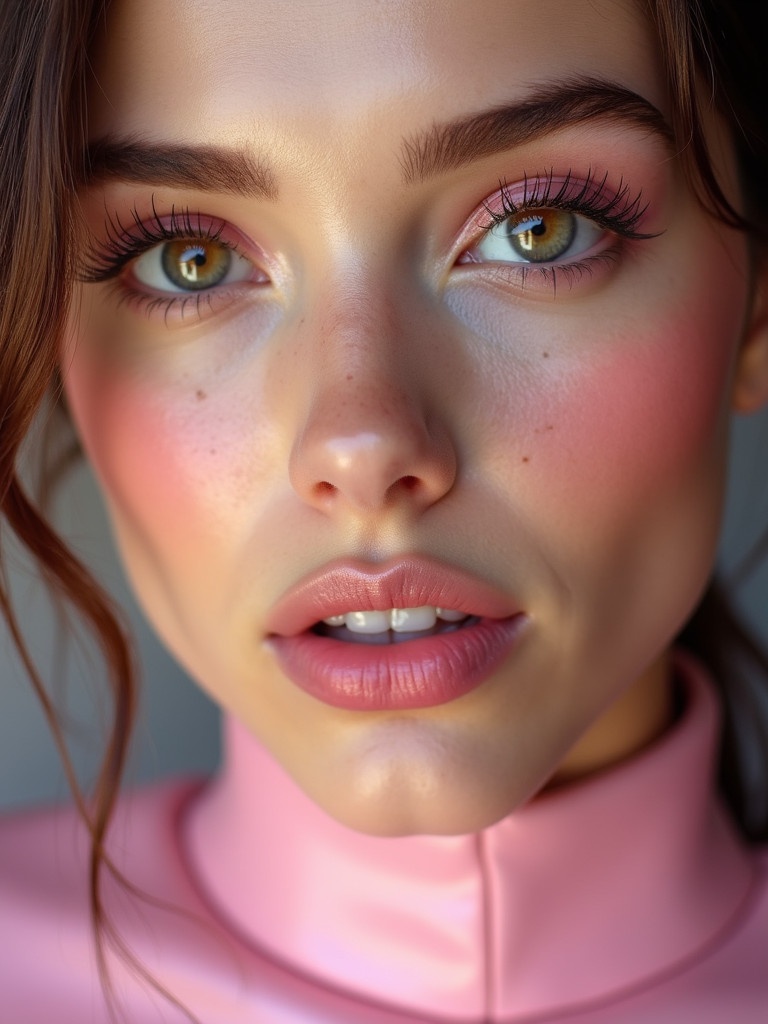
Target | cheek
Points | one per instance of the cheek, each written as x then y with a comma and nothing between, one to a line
599,410
606,436
651,414
151,455
180,441
628,486
185,448
181,456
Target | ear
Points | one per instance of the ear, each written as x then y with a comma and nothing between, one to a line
750,382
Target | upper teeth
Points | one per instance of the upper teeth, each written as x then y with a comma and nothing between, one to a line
401,620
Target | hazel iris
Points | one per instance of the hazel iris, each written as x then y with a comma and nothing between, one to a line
541,236
194,264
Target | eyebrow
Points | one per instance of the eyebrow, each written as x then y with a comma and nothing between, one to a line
440,148
448,146
202,168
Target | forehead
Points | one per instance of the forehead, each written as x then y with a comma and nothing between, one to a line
229,68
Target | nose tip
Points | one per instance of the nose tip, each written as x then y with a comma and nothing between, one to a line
387,459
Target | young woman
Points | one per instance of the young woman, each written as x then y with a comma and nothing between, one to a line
403,339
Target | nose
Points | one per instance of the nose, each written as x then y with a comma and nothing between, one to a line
371,439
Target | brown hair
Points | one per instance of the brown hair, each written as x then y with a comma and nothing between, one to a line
43,47
713,53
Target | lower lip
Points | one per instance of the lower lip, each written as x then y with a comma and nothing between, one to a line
419,673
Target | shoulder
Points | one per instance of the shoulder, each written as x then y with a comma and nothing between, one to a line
42,848
48,968
739,964
727,979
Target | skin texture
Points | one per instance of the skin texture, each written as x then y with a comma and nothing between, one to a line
373,391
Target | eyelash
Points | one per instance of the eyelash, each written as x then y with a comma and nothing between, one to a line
106,260
619,211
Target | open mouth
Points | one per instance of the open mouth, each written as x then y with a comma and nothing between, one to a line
411,633
393,626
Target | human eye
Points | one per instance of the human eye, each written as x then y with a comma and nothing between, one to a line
181,265
546,228
191,264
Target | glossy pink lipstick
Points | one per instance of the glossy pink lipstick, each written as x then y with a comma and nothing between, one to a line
420,672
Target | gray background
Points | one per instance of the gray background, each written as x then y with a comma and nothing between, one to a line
178,727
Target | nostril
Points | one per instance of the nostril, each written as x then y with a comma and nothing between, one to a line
409,483
323,489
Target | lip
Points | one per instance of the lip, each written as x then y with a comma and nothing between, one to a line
419,673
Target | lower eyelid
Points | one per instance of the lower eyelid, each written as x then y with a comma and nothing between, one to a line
177,309
543,280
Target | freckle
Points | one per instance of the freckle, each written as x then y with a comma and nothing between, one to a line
550,427
526,458
545,354
350,376
200,395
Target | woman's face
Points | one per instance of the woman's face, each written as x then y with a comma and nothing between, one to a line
400,305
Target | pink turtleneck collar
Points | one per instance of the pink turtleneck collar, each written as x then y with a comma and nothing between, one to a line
587,892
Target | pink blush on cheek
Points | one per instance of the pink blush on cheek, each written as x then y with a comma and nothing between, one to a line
634,466
141,471
651,398
146,454
658,405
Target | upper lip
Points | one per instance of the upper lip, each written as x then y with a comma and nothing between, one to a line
354,585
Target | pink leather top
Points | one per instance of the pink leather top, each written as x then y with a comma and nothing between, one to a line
620,899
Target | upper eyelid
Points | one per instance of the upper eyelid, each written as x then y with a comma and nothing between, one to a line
588,195
106,258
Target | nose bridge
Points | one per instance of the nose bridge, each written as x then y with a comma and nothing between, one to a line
369,437
358,338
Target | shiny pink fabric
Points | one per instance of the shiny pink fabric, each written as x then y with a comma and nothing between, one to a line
624,898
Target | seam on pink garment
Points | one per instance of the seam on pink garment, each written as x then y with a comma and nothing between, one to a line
487,896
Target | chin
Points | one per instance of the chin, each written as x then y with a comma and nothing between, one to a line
407,799
445,816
